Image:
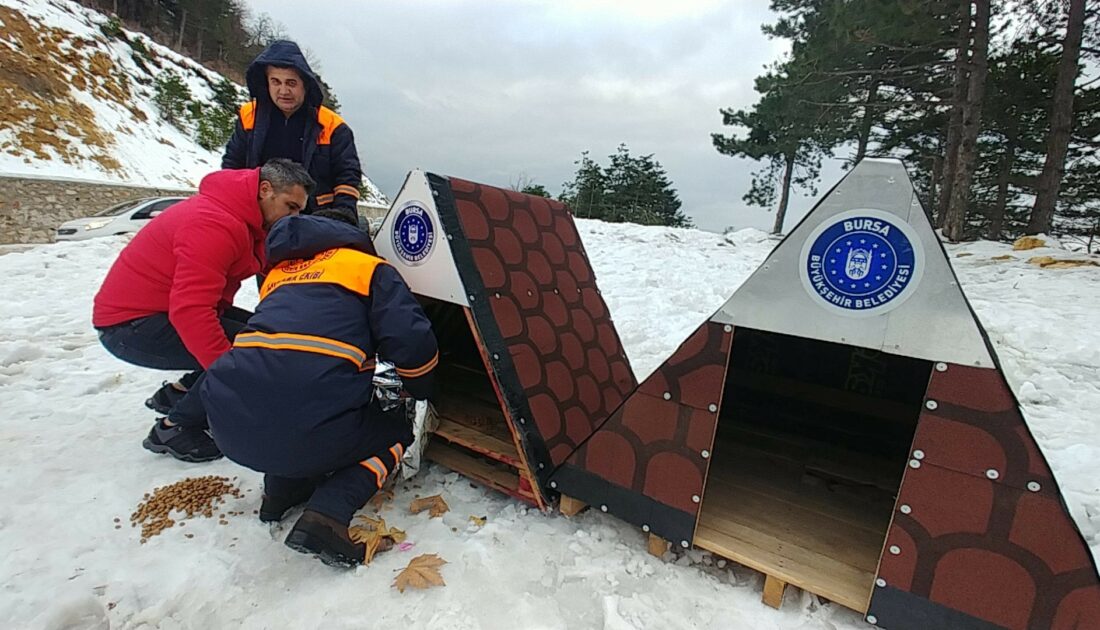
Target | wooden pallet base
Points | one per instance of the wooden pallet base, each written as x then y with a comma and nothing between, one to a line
771,517
568,506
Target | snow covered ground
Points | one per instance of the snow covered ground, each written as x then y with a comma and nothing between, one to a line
71,423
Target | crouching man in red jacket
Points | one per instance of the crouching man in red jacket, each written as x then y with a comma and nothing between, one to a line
167,302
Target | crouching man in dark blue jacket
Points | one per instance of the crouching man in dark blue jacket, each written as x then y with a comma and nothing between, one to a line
293,398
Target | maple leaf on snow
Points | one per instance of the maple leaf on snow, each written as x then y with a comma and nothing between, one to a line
373,533
422,572
435,505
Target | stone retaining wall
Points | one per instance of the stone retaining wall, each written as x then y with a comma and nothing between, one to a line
32,208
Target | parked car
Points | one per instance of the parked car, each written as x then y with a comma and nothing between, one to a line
124,218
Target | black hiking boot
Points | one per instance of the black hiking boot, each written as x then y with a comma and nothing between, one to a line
327,539
279,498
164,398
185,444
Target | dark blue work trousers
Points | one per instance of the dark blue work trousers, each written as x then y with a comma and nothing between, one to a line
153,342
345,486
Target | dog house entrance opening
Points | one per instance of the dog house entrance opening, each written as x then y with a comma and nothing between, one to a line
812,441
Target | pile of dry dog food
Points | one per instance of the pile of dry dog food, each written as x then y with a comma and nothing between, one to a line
194,496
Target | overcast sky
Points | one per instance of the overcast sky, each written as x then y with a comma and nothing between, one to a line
494,91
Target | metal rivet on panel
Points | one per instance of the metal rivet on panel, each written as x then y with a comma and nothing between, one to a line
895,550
685,544
992,473
645,528
555,291
529,294
705,453
712,407
931,404
914,463
918,454
871,619
541,465
667,396
496,295
1034,486
603,508
523,421
881,583
450,237
694,498
905,509
496,357
727,328
553,484
472,297
941,367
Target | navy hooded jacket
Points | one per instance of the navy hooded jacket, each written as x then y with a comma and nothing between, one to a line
328,147
290,398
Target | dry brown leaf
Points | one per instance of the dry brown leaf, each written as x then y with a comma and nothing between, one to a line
422,572
380,499
1050,262
435,505
1003,257
478,520
1028,242
372,533
963,254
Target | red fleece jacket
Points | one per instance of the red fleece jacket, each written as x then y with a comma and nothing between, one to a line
189,262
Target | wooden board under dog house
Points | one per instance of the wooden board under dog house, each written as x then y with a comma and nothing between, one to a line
530,361
842,424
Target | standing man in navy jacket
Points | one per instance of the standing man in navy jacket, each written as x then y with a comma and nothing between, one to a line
293,398
285,119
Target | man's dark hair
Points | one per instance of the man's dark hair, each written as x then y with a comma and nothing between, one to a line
284,174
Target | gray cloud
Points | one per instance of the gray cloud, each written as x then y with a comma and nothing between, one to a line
493,90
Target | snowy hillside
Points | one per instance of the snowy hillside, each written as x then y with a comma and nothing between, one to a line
78,102
72,421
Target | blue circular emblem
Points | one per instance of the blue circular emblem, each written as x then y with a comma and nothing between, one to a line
413,233
862,262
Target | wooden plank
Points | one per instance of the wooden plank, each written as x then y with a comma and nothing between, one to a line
773,591
656,545
452,457
509,421
742,468
765,518
569,506
832,580
482,443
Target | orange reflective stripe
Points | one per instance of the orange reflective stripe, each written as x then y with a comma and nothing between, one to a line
349,268
376,466
305,343
344,189
329,121
398,452
420,371
324,200
248,115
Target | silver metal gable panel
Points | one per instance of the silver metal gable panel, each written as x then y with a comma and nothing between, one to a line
927,317
413,240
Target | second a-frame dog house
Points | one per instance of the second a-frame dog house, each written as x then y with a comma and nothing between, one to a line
530,362
842,424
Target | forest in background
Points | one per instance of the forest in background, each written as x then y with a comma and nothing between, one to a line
994,106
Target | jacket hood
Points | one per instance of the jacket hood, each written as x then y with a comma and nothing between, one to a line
306,236
237,191
284,54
